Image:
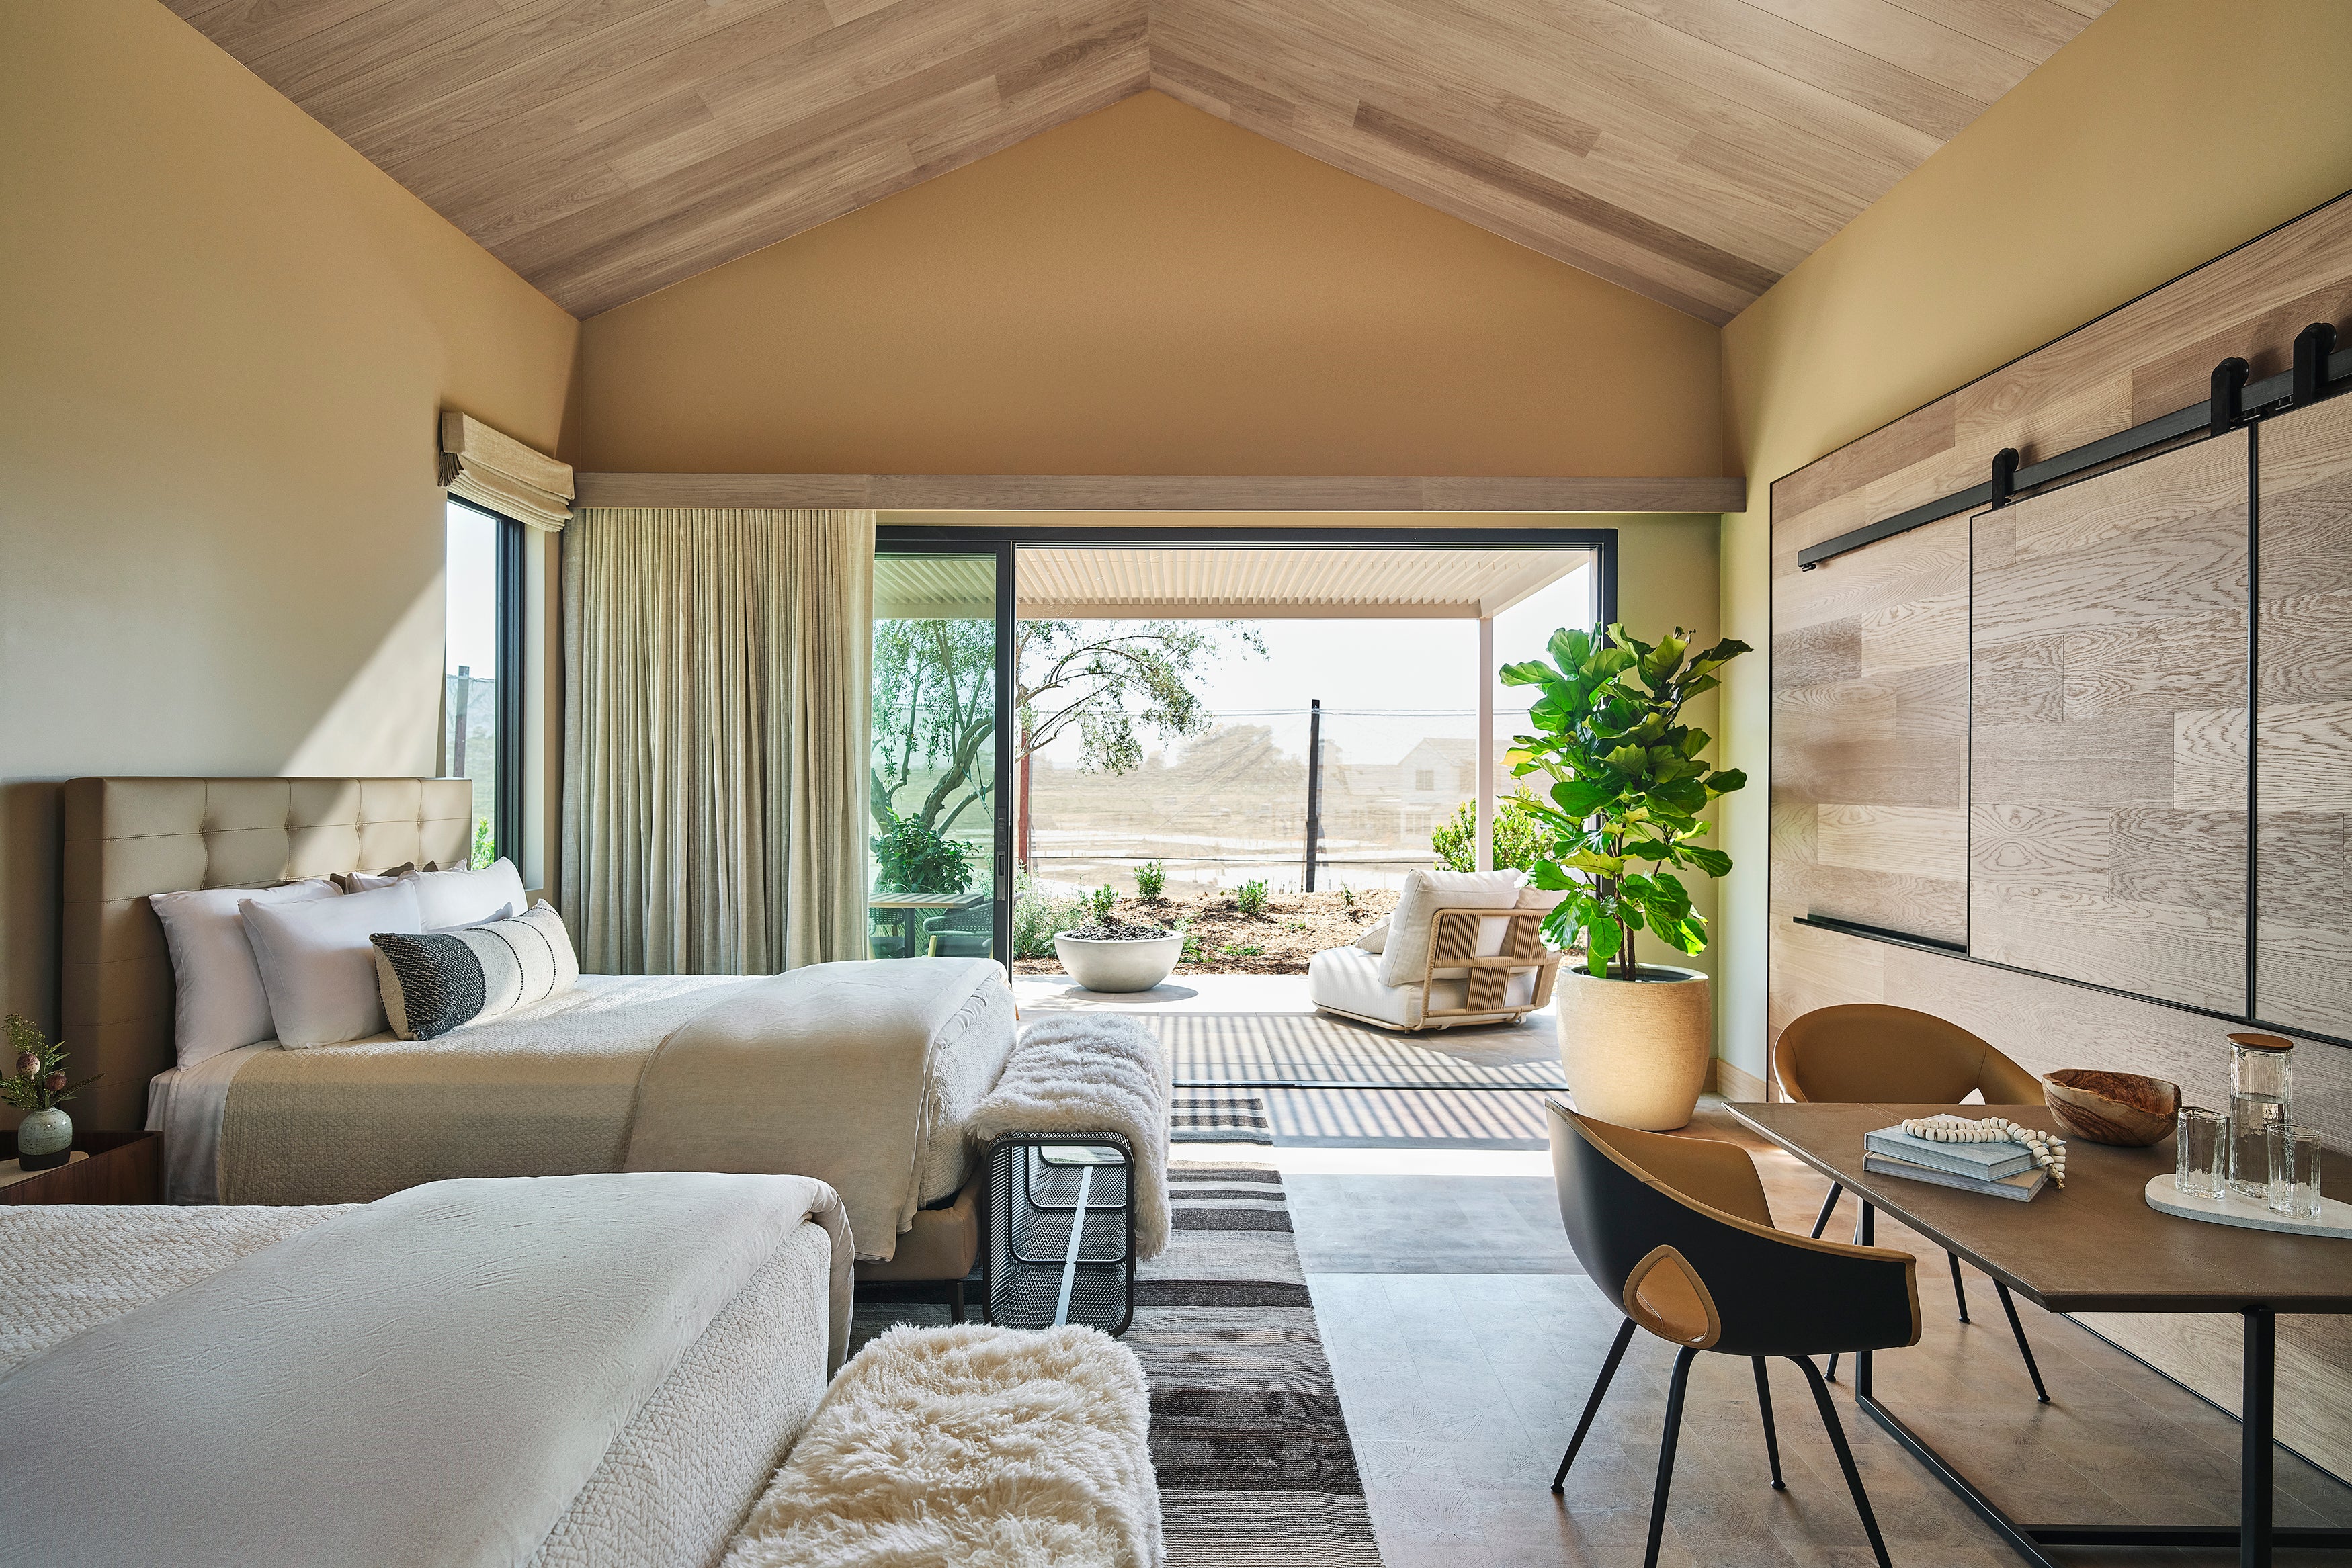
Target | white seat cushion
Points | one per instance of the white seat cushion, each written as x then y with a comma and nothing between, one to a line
1406,954
1346,979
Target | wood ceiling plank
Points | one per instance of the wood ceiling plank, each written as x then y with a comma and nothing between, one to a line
1795,50
581,89
1692,150
772,160
2035,28
251,29
1593,212
1924,47
733,222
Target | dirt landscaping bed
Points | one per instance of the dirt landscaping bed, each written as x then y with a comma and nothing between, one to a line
1293,927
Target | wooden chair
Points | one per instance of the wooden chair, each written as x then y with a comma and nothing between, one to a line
1343,980
1678,1233
1870,1052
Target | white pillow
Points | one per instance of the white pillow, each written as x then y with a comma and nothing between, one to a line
317,965
1373,940
448,899
1406,953
220,1001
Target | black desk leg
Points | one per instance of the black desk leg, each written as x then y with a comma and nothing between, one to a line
1865,1234
2254,1495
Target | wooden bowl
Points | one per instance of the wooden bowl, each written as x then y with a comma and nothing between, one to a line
2120,1108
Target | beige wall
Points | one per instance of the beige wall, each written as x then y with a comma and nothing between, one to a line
2168,131
227,339
1149,290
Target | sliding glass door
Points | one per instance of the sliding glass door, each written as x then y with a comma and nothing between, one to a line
939,872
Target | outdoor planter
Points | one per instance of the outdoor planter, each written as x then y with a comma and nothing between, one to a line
1635,1052
1121,962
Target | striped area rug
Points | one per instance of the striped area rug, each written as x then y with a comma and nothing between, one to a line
1217,1116
1256,1468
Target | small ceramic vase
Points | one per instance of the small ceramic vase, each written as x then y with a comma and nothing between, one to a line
44,1139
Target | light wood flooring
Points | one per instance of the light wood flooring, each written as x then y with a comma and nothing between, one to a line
1463,1369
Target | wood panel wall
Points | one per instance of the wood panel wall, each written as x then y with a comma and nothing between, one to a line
1869,770
2108,789
2303,969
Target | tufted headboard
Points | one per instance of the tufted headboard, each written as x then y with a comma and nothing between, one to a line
126,838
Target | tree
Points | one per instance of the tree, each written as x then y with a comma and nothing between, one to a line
1108,681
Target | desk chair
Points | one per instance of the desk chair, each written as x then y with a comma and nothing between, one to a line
1870,1052
1676,1231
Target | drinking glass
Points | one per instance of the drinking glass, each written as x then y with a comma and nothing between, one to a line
2295,1171
2197,1160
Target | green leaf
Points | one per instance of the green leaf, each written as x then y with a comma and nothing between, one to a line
1714,862
1598,864
1724,782
1579,798
1681,794
1527,675
1660,663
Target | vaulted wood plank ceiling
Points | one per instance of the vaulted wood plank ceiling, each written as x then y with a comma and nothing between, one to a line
1692,150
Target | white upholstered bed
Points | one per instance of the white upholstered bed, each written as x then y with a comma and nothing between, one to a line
594,1370
858,1074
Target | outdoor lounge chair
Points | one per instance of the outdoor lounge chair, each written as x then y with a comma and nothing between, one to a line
1486,963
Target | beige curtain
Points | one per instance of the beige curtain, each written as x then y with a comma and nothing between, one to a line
715,737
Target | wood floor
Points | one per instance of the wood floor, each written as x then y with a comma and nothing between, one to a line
1462,1381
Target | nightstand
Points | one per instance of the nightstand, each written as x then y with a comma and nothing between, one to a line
122,1167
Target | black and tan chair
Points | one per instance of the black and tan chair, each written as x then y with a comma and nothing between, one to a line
1870,1052
1676,1230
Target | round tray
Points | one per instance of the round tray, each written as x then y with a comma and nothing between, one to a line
2335,1216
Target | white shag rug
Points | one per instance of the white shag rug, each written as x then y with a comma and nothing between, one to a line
1090,1073
969,1448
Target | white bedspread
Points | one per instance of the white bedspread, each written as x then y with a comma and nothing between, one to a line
433,1378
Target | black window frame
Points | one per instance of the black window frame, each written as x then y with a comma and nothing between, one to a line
506,601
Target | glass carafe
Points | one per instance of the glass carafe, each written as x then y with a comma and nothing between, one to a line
2258,1075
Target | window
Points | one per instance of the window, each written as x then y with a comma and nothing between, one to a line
481,713
1424,779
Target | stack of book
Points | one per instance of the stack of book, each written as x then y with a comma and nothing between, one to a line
2004,1170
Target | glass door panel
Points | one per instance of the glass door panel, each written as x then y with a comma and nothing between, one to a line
938,881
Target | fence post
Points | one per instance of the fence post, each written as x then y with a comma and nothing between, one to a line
1314,785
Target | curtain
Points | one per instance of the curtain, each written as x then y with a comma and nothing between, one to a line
716,717
481,466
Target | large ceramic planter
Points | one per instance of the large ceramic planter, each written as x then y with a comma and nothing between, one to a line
1129,964
1635,1052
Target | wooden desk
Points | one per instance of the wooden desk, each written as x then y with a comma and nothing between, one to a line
2094,1247
910,902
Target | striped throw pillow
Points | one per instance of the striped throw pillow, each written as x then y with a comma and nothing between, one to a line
434,982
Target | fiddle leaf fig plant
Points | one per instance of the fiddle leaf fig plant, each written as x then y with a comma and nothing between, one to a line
1628,788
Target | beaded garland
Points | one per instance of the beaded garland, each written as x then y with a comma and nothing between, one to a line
2048,1149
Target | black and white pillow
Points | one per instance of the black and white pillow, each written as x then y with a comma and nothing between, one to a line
434,982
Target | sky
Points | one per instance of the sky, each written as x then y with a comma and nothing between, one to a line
472,632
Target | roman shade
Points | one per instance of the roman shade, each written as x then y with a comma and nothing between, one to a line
490,469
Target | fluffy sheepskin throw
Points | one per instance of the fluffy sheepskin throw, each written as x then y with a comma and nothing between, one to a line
1090,1073
969,1448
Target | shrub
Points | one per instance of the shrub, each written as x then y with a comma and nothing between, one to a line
1037,914
1347,895
1102,901
911,856
486,846
1191,953
1238,951
1250,897
1519,835
1150,881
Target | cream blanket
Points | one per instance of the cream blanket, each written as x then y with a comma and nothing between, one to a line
827,1071
433,1378
1091,1072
